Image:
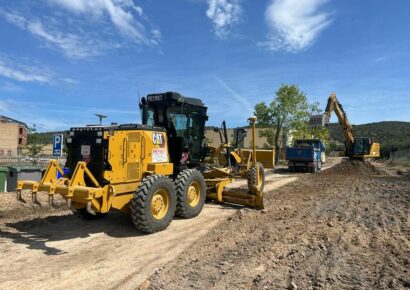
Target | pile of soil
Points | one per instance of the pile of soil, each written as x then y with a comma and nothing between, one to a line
11,208
343,228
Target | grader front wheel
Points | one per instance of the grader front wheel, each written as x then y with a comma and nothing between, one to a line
256,182
191,193
153,204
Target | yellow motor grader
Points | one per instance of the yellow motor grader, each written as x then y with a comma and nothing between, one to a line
154,170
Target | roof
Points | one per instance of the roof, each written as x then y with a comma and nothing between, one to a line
5,119
308,140
177,97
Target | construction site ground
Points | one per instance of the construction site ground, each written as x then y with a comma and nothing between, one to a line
344,228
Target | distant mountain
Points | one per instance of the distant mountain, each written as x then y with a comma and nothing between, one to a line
391,135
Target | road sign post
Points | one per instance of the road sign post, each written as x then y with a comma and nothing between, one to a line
58,145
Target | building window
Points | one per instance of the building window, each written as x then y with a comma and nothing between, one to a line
21,131
20,141
1,153
9,153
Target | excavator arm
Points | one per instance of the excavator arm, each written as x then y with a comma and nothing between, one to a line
334,105
361,147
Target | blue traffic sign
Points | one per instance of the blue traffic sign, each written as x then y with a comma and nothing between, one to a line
58,145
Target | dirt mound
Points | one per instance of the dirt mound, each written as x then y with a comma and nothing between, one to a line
10,207
344,228
352,167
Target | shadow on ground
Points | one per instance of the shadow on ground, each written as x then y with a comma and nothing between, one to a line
37,232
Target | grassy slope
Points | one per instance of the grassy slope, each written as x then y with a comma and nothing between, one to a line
391,135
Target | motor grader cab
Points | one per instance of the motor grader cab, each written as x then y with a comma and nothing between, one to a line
152,171
184,120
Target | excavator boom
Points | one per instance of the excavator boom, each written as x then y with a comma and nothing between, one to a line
361,147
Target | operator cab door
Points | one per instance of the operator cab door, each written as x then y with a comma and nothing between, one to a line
361,146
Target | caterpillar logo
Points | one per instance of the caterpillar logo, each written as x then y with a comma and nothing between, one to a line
157,139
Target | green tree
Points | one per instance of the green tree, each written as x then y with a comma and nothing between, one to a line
33,147
289,109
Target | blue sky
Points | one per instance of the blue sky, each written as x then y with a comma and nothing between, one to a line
61,61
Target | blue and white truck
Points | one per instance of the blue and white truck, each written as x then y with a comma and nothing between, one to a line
307,155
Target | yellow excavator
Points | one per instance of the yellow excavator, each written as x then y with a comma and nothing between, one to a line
356,147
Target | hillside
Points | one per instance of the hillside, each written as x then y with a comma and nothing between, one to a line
391,135
43,138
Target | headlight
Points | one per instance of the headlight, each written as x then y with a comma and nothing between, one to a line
71,133
69,140
99,133
98,141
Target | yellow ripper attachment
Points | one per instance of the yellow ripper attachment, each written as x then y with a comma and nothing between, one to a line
48,183
74,191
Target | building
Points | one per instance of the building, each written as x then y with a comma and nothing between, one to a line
13,137
214,140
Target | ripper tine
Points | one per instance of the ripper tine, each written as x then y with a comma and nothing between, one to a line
50,201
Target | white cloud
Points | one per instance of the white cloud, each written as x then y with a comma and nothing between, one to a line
22,73
4,107
223,14
245,107
120,13
73,46
294,24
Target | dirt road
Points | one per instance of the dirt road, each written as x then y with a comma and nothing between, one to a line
345,228
56,250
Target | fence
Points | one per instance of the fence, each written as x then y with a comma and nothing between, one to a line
26,161
401,156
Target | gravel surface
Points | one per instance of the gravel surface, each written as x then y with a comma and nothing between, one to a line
344,228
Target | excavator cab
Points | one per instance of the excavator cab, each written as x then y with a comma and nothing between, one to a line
184,120
364,147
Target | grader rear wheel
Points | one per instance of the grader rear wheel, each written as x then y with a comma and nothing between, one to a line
191,193
256,182
153,204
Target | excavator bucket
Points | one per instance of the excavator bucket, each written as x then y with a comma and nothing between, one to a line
318,121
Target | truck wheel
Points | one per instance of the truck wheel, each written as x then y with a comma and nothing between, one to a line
314,168
84,214
153,204
256,183
191,193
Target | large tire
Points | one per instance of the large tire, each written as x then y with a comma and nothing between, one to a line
256,183
191,193
84,214
153,204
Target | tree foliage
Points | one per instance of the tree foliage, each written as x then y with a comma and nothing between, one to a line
34,147
289,109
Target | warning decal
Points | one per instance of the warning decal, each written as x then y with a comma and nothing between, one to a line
159,155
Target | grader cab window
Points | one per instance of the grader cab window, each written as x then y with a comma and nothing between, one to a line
178,123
